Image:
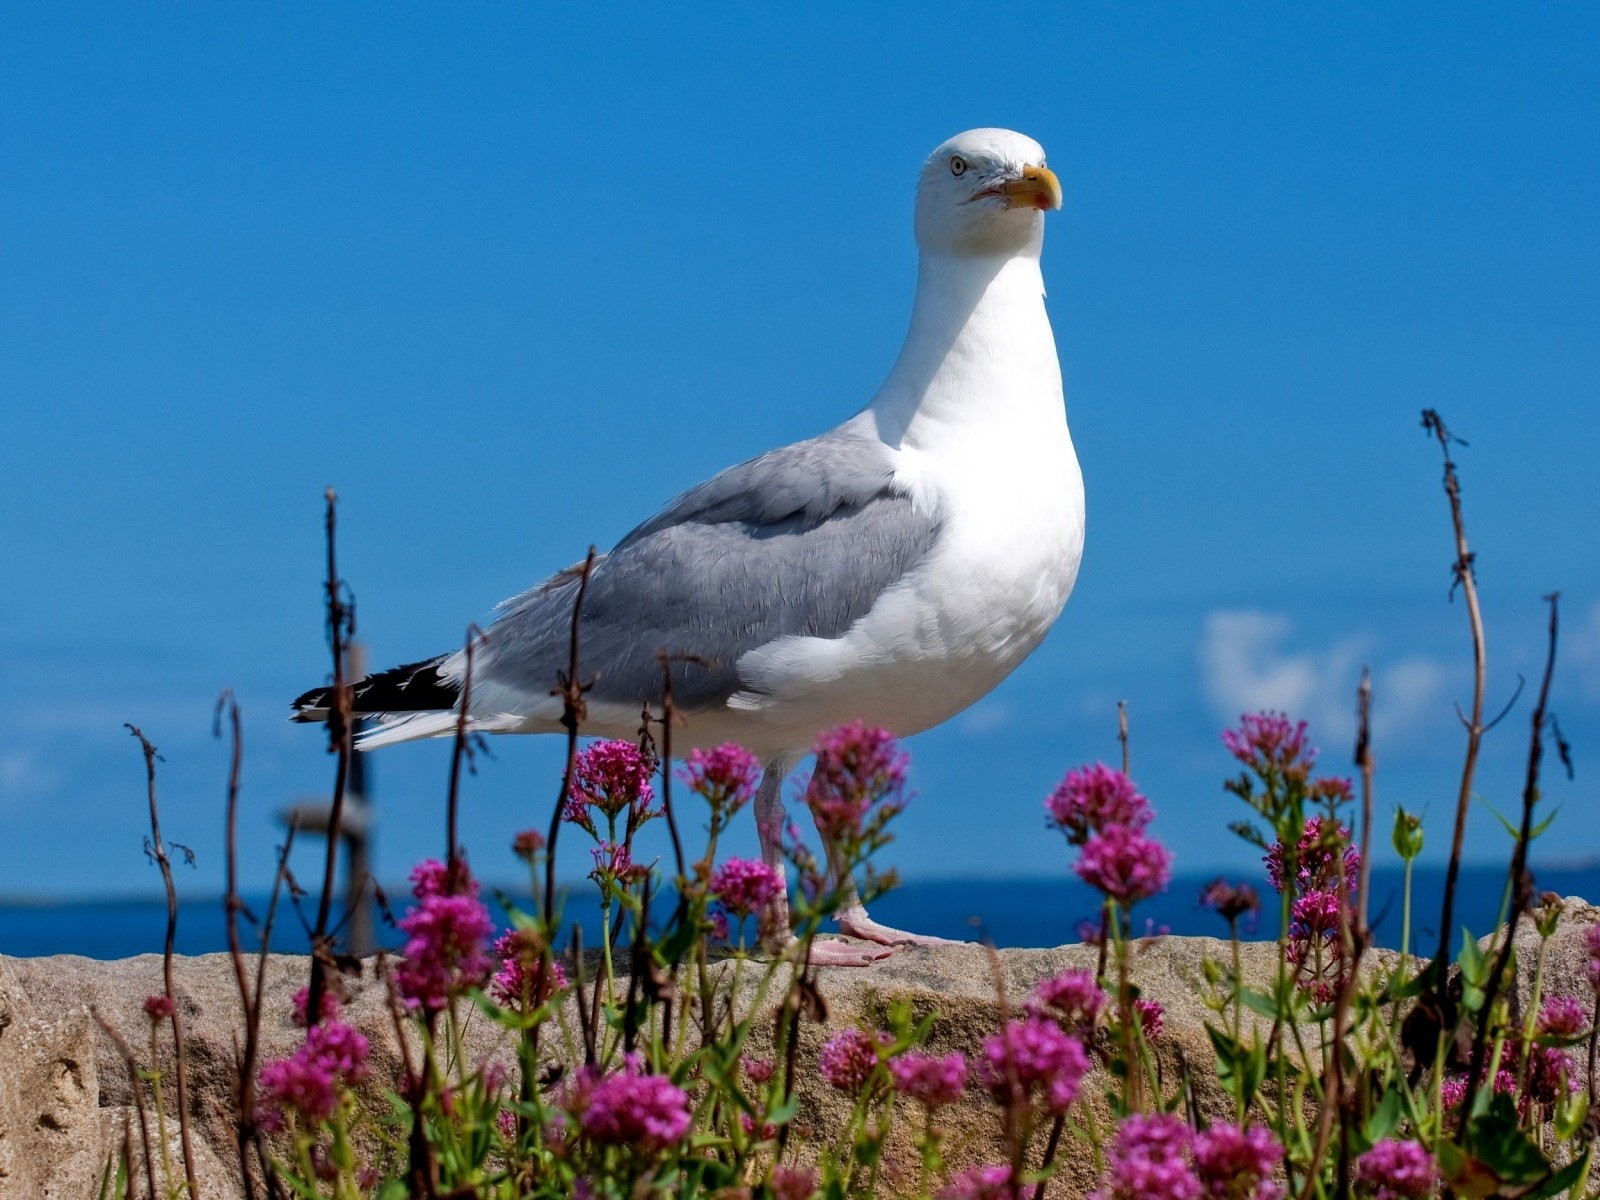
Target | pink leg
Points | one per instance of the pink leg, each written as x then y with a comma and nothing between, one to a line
776,934
852,914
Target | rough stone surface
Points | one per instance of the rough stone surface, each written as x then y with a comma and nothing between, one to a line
65,1096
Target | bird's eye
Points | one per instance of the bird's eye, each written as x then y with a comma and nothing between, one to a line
958,166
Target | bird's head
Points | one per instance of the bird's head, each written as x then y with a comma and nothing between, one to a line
985,191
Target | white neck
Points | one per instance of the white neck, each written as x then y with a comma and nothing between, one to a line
979,352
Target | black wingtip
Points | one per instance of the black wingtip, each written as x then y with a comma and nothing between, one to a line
415,687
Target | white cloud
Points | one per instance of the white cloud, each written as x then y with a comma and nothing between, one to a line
986,717
1583,652
1245,666
24,777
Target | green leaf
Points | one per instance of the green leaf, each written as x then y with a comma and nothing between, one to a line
1570,1116
1240,1068
1496,1141
1258,1002
1249,833
1383,1121
1564,1178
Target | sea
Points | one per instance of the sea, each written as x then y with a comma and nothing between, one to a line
1006,912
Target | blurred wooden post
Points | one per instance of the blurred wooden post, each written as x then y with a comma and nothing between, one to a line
356,829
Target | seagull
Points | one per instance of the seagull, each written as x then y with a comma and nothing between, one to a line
894,569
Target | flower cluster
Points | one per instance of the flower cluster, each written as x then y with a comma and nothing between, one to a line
1149,1160
793,1183
158,1007
1591,943
1158,1157
515,983
1562,1016
1323,847
1230,901
1093,799
1397,1170
1033,1055
328,1006
858,766
980,1183
1124,864
1237,1164
931,1081
1271,746
447,930
612,777
646,1113
528,845
726,777
1073,997
1314,870
308,1082
744,886
613,863
848,1060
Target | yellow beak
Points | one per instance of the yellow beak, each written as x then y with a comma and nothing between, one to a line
1038,188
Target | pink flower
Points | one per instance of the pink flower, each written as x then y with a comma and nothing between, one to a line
744,886
1317,858
1230,901
1033,1055
1550,1074
1562,1016
857,766
612,860
1125,865
329,1006
1591,943
308,1081
793,1183
1148,1161
756,1070
1150,1015
1452,1092
932,1082
613,777
514,985
847,1061
765,1132
158,1008
726,776
1397,1170
447,929
527,845
1269,745
1074,996
1316,914
979,1183
644,1112
1237,1164
430,877
1092,799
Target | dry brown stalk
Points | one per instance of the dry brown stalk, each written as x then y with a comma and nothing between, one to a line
157,850
136,1085
1465,578
1521,878
341,628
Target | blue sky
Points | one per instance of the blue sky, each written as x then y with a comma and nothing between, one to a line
509,277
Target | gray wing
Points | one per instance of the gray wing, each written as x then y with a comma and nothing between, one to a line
800,541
